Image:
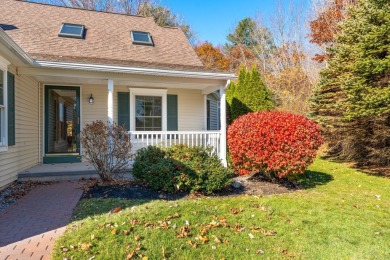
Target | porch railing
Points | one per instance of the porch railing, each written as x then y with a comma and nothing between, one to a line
141,139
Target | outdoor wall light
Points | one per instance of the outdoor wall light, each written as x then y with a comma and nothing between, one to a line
91,99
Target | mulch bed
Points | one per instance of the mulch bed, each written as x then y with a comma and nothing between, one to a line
125,189
130,189
16,190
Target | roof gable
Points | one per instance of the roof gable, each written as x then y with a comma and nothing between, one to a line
35,28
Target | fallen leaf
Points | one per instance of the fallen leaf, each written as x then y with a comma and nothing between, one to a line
259,252
85,245
213,247
130,255
257,229
135,222
237,227
149,224
184,232
203,231
378,233
137,238
115,210
251,236
236,211
217,240
114,231
213,224
92,237
176,215
357,206
193,244
163,224
270,233
126,232
163,252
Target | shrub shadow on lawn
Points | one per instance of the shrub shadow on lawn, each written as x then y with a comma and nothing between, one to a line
129,191
104,197
312,179
259,185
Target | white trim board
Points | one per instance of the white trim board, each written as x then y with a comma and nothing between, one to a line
134,70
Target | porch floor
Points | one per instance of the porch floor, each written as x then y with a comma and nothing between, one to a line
60,172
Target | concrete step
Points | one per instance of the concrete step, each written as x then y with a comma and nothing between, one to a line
61,172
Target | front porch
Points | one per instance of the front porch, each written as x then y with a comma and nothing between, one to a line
157,107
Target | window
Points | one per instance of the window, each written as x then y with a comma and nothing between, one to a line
72,30
141,38
148,113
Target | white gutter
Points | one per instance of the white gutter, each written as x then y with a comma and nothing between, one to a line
133,70
13,46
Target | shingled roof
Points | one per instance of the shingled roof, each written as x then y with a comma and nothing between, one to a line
35,27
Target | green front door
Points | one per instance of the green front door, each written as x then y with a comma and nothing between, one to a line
62,124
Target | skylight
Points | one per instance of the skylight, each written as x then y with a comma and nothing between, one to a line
141,38
72,30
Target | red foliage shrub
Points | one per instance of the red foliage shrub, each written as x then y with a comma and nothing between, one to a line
273,143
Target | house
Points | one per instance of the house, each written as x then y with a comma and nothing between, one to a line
61,68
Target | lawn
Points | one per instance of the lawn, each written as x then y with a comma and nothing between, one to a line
341,213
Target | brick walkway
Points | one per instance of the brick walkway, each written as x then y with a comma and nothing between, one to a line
29,227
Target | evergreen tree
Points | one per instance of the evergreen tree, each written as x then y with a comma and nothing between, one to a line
248,94
243,34
354,89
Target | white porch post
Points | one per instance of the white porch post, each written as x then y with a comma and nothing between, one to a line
110,103
205,112
222,91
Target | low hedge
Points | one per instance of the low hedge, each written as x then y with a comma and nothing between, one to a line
181,168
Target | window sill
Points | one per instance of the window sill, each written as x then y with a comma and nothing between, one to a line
3,149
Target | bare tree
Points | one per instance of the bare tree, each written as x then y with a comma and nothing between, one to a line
133,7
287,67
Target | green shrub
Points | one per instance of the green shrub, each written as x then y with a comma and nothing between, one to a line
248,94
181,168
153,166
208,173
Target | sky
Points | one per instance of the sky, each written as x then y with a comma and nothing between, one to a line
212,20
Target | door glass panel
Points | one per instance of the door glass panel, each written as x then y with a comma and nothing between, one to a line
62,121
